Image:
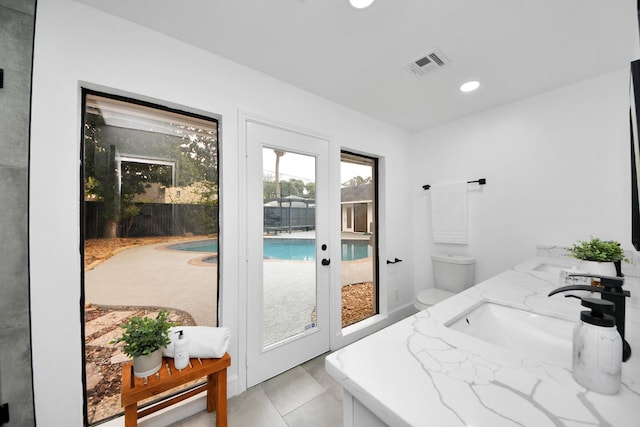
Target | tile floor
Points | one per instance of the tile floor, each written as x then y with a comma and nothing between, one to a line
304,396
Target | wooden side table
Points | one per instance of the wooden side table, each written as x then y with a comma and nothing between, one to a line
136,389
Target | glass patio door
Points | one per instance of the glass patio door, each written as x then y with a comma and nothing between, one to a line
288,258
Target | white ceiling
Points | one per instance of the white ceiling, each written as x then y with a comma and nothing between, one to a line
515,48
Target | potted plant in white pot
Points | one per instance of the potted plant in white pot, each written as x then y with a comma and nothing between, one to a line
144,340
598,256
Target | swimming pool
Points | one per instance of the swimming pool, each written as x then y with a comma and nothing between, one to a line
286,249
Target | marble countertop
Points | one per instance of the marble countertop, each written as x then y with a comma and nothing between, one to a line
419,372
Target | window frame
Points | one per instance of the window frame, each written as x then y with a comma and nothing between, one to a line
344,153
157,105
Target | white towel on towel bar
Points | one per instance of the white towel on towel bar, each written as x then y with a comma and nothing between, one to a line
203,341
449,213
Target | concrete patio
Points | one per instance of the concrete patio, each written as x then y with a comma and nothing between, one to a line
147,276
153,275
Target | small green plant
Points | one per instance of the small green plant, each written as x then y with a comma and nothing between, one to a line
144,335
597,250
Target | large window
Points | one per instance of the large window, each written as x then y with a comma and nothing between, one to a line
359,248
150,228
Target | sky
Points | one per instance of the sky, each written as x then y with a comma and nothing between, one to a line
300,166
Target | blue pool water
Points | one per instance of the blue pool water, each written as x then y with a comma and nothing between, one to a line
287,249
210,245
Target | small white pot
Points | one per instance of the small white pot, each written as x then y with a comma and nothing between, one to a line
598,268
146,365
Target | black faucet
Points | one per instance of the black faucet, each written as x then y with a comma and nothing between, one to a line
610,290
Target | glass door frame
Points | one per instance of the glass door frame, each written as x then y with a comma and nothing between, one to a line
294,351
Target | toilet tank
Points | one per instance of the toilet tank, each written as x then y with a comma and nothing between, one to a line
453,273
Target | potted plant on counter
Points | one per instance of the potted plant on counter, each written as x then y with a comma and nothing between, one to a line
598,256
144,340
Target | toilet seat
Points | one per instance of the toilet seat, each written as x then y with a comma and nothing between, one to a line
428,297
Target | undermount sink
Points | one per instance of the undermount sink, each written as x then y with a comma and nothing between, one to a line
551,267
536,335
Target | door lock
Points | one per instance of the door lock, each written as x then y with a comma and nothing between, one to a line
326,261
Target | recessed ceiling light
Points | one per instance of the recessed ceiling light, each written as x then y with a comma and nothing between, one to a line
361,4
470,86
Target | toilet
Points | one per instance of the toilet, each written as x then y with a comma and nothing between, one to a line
452,274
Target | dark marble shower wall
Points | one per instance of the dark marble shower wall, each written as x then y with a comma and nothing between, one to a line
16,41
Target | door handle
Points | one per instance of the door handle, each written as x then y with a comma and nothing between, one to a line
326,261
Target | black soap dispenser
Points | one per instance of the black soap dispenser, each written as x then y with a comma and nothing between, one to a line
597,348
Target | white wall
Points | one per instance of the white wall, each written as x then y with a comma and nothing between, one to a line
557,167
76,46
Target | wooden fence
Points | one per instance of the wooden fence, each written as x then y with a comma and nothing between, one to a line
163,219
155,219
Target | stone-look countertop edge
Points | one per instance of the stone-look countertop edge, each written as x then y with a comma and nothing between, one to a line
419,372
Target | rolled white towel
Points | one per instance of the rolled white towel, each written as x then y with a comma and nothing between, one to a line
203,341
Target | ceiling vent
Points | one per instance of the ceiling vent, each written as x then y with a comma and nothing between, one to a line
427,63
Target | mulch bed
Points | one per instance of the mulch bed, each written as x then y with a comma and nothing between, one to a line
98,250
358,303
104,361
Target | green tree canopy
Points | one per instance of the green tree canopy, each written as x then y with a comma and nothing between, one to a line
291,187
357,181
193,151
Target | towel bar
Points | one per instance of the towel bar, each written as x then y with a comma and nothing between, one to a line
481,181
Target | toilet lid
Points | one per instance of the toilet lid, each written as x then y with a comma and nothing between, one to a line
453,259
433,296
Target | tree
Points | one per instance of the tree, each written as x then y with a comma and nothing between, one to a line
199,165
291,187
135,177
194,151
310,189
100,173
279,153
357,181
